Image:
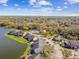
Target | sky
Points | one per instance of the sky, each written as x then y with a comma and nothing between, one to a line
39,7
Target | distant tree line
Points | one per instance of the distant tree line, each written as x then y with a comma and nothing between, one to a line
68,27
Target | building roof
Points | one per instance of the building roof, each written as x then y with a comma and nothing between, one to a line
58,37
35,45
32,56
28,36
15,32
71,44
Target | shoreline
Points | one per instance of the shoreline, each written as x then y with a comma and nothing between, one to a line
23,41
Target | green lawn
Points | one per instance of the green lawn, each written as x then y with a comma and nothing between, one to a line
51,35
18,39
23,41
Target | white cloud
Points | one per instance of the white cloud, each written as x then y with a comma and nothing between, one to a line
40,3
41,12
65,3
44,2
16,5
47,10
5,5
19,9
32,2
3,1
59,8
65,6
73,1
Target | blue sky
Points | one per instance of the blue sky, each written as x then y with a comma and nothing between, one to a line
39,7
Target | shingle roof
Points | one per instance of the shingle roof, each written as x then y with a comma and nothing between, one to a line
71,44
32,56
15,32
58,37
28,36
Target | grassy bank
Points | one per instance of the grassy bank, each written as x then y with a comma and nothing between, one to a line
23,41
18,39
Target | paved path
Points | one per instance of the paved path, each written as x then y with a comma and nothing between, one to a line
39,56
40,48
57,52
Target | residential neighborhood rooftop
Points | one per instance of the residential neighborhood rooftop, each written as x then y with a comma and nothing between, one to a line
72,44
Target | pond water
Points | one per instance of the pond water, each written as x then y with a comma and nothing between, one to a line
10,49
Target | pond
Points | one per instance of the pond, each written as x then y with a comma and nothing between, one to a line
10,49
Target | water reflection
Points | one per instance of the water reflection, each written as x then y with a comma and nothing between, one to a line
9,49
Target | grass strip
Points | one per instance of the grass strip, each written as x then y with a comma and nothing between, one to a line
18,39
